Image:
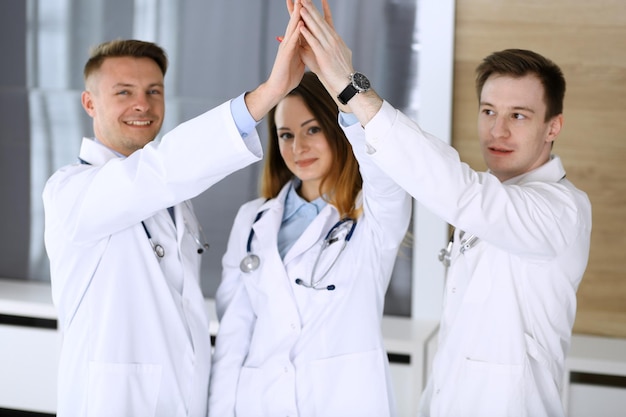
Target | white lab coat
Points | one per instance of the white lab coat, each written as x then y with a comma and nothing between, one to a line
286,350
135,330
510,301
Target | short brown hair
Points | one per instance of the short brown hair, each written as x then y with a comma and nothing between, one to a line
341,186
125,47
518,63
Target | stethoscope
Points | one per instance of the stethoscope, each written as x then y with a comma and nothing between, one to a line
251,261
157,248
445,254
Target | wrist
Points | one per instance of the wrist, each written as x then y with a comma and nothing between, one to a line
262,99
358,84
366,105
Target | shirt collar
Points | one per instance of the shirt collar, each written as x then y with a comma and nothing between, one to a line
293,201
95,153
551,171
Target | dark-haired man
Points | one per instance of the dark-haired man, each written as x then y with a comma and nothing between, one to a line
522,230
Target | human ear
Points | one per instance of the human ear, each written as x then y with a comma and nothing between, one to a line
87,101
555,126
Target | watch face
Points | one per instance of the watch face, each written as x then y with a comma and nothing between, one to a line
360,81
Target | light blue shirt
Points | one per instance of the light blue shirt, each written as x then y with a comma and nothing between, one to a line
347,119
297,216
243,119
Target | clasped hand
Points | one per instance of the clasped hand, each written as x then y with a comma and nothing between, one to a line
319,46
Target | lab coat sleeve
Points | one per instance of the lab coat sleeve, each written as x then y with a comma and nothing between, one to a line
385,204
237,319
537,219
91,202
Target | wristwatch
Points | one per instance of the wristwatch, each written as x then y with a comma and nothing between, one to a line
358,84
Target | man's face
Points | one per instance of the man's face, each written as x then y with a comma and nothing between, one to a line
125,98
514,136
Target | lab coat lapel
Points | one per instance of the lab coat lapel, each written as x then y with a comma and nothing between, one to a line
271,276
179,221
266,228
314,233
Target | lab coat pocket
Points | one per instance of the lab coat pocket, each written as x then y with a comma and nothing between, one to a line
123,389
543,360
489,389
352,385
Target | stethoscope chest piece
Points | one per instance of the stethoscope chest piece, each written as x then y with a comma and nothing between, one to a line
249,263
159,250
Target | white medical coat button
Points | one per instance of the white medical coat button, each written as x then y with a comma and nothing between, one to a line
286,369
453,290
293,326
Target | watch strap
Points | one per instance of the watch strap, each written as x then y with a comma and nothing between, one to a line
346,95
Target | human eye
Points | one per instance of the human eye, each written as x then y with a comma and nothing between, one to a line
487,112
122,92
154,91
285,136
519,116
313,130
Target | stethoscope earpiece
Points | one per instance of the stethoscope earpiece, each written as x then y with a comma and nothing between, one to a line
445,254
159,250
202,247
304,284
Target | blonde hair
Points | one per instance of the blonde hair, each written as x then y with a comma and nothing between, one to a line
121,48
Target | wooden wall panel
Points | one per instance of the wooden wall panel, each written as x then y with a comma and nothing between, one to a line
588,41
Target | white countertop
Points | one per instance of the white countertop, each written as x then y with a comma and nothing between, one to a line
26,299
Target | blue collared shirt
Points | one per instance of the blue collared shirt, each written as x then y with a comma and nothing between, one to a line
297,216
347,119
243,119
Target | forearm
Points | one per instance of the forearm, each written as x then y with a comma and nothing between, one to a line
263,99
364,106
385,204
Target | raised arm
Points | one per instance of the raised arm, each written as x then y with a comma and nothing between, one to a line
326,54
286,73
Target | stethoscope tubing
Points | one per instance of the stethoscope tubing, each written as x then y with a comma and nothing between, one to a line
158,249
251,234
251,261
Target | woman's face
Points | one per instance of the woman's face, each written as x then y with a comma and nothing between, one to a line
303,145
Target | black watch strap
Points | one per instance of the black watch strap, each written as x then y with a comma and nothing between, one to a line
347,94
